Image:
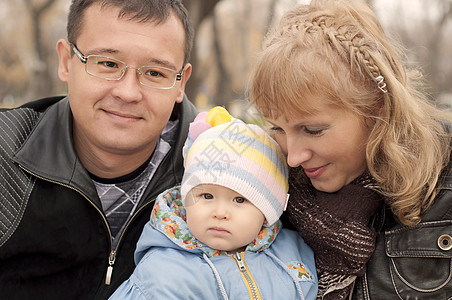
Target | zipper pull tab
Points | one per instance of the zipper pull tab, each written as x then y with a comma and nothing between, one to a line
240,262
111,262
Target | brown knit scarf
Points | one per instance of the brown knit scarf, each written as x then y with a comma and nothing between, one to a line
337,227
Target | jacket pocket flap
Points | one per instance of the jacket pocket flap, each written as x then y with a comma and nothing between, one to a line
429,239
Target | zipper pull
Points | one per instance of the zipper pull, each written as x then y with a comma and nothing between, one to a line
111,262
240,262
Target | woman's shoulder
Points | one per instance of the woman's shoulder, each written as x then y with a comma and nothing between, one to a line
446,176
441,209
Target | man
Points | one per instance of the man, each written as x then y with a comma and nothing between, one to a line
78,175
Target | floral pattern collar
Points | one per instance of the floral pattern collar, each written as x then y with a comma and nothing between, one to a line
168,217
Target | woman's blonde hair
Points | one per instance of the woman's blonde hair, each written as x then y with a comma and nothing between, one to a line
337,49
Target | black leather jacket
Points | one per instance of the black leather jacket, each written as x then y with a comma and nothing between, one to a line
412,262
55,241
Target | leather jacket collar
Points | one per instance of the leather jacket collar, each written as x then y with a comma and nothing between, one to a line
49,152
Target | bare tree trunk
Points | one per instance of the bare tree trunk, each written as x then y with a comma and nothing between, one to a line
198,10
223,91
245,26
435,42
271,14
41,83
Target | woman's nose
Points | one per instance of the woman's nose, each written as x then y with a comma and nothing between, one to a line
297,151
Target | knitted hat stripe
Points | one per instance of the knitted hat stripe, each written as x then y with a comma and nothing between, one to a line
271,215
222,173
231,177
232,149
236,131
238,144
257,130
261,166
258,174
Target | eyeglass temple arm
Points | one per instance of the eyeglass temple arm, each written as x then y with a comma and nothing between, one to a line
179,75
79,54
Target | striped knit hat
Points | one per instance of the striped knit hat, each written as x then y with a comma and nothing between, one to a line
239,156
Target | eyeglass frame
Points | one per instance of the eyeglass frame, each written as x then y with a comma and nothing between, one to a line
84,60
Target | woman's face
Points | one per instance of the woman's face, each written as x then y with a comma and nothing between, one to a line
329,145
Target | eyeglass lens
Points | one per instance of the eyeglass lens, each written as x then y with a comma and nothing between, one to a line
113,69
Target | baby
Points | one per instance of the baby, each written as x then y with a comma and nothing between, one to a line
218,234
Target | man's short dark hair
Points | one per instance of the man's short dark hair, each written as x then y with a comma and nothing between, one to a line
157,11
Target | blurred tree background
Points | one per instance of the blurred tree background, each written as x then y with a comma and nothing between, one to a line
229,33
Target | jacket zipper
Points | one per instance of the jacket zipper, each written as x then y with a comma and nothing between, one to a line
249,281
113,252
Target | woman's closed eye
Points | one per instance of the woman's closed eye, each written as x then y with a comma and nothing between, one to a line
307,129
277,129
314,130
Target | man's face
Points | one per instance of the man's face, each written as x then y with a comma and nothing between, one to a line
121,118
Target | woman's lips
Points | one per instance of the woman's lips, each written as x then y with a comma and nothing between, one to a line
314,173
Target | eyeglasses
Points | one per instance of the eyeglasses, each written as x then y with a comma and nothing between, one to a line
113,69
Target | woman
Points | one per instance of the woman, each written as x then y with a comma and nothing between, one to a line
370,155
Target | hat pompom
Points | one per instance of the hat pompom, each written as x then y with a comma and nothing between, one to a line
206,120
217,116
198,126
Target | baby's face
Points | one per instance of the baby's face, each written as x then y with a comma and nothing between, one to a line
221,218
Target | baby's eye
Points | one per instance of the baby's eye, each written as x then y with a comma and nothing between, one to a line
207,196
240,200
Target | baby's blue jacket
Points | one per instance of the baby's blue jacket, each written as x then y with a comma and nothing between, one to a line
172,264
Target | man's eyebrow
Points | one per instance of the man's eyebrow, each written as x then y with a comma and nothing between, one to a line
151,62
102,51
163,63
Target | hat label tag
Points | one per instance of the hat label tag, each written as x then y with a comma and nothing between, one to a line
287,201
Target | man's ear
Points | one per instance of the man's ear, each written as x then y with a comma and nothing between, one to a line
185,76
64,59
